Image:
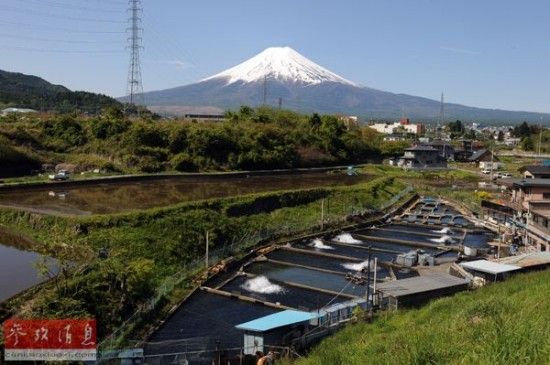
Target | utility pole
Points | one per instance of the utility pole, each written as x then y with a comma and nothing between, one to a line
441,119
322,214
206,255
374,281
134,84
369,267
280,103
540,134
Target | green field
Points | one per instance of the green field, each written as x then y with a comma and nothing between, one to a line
505,323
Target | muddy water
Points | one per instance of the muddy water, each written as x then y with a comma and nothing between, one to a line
112,198
18,271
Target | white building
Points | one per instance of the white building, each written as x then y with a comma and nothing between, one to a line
393,128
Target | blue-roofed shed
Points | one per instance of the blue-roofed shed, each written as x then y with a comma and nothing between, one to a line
277,320
276,329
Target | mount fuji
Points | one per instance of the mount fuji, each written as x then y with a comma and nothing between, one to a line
281,73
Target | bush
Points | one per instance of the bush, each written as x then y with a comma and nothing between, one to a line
184,163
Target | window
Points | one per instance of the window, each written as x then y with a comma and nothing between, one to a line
545,196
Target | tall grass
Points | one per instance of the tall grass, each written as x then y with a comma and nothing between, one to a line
506,323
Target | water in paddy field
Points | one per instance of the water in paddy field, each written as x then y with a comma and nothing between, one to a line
203,319
293,297
18,271
103,198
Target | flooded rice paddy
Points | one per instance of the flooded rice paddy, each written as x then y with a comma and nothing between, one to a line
18,271
104,198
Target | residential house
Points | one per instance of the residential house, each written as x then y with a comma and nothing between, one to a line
445,149
421,157
463,153
535,172
485,159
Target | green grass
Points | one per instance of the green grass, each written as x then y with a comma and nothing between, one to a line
147,247
506,323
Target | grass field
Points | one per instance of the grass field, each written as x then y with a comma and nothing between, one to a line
505,323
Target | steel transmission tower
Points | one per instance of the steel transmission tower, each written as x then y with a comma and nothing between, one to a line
134,84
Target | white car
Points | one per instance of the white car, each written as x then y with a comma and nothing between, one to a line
505,175
486,171
61,176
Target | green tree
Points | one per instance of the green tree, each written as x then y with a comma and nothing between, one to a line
527,144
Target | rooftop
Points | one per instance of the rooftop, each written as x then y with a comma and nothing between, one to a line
489,267
420,284
277,320
532,182
477,154
420,148
528,259
536,169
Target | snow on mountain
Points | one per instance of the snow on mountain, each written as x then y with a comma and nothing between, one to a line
282,64
301,84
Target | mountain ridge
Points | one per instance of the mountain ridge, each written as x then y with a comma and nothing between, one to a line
29,91
281,73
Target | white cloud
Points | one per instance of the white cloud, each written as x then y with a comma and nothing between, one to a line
459,50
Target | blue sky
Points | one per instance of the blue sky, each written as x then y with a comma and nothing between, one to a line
480,53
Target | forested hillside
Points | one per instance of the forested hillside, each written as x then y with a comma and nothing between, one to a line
249,139
27,91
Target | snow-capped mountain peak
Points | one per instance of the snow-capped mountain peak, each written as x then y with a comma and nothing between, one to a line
279,63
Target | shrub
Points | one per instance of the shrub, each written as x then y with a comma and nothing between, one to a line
183,162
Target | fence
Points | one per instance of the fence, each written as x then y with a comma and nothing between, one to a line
247,241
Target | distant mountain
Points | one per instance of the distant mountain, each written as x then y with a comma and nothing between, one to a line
27,91
303,85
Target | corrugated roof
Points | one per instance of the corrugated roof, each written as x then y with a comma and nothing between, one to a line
489,267
420,284
277,320
528,259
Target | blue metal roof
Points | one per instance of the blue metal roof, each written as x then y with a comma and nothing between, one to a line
277,320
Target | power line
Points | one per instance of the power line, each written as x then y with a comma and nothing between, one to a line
17,36
57,4
57,16
68,30
44,50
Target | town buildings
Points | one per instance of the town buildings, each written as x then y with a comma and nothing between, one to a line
403,126
420,157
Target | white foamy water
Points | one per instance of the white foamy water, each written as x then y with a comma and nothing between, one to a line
442,239
445,230
262,285
358,266
346,238
317,243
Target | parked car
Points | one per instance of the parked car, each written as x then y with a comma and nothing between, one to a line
486,171
60,176
505,175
